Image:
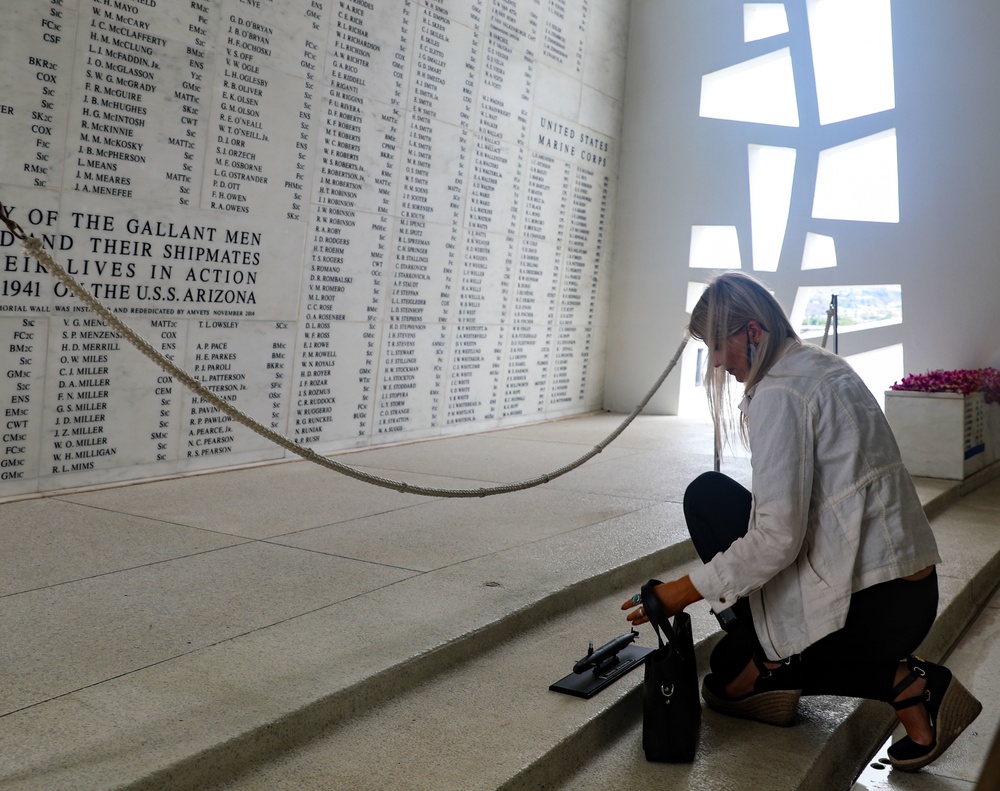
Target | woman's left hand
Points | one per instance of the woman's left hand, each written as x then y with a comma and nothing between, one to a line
674,596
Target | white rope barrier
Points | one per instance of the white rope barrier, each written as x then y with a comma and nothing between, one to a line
32,246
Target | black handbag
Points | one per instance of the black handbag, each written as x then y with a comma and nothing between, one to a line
671,716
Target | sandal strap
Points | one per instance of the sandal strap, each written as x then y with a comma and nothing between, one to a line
917,671
777,673
897,690
905,704
764,671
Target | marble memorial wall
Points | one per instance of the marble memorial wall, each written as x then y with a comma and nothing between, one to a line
358,221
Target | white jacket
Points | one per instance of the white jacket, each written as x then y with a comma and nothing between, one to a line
834,510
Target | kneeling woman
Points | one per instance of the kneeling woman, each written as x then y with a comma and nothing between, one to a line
824,575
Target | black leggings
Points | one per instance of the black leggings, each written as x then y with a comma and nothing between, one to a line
885,623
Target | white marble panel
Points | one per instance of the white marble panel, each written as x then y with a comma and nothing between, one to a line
484,281
514,27
562,35
410,395
493,190
556,94
525,376
473,389
351,175
507,80
597,340
533,285
418,279
140,96
468,14
244,172
275,34
566,389
117,416
174,22
237,360
547,186
259,110
112,414
504,116
39,55
436,156
441,80
606,50
567,140
584,241
335,384
26,287
602,114
346,266
180,262
387,212
23,342
369,51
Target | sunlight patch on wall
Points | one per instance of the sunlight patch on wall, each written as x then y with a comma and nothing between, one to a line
859,180
763,20
772,170
852,57
879,368
694,292
760,90
714,247
820,252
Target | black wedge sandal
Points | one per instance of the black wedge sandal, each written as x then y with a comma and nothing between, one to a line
951,708
771,702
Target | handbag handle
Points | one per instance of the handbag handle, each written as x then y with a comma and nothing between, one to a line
655,612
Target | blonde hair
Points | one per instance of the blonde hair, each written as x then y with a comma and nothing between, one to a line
730,301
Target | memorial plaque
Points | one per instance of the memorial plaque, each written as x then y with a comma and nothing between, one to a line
24,340
355,223
243,363
38,49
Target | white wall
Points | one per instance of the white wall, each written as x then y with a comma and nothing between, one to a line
678,170
355,222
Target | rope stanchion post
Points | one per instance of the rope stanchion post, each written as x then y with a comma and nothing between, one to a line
32,246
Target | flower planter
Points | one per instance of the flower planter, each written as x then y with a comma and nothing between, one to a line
943,435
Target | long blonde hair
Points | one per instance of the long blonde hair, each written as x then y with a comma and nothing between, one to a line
730,301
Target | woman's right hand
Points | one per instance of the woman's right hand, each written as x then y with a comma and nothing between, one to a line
674,596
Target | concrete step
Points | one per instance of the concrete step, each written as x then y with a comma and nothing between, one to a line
489,721
466,649
202,717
